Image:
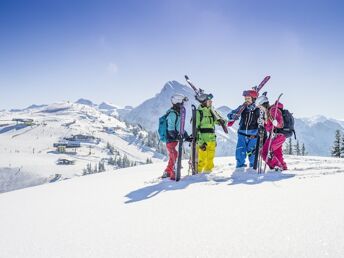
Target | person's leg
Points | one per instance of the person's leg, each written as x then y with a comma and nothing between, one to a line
240,152
173,154
202,156
265,152
251,146
278,151
211,146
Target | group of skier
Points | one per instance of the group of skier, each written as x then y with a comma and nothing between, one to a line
263,128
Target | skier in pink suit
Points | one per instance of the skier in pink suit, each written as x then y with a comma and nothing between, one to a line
273,121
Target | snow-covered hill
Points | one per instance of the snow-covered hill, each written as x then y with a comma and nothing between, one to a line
27,137
129,213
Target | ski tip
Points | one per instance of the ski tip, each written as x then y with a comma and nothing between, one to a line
186,77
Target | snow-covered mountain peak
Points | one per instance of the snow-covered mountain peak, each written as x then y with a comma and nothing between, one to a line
317,119
107,106
86,102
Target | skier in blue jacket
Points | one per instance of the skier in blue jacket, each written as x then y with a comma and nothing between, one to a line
248,129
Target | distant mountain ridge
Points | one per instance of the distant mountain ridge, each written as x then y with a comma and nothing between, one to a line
317,132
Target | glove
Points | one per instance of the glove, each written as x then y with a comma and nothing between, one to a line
222,122
230,123
189,138
274,123
203,147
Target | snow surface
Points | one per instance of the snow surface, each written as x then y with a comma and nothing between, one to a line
228,213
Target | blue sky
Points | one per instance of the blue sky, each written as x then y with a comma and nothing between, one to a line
125,51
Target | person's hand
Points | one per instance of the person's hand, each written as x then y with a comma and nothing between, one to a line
189,138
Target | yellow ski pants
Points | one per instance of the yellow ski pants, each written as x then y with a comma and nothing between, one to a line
206,158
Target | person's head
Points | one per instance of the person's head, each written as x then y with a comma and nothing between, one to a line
250,96
206,100
178,100
262,101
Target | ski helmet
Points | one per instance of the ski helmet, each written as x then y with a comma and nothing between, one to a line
262,100
204,97
250,93
178,99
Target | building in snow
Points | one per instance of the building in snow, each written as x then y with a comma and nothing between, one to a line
62,146
65,162
82,138
28,121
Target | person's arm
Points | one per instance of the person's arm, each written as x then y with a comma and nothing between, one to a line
232,115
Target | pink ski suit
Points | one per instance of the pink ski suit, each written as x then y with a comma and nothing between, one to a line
276,153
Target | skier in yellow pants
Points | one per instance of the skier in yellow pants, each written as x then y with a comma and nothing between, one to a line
206,137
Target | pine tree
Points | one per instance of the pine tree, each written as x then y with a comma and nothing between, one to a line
290,145
286,148
342,147
303,150
297,148
336,145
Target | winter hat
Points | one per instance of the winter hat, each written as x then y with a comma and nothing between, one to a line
204,97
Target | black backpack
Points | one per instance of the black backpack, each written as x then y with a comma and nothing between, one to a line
288,120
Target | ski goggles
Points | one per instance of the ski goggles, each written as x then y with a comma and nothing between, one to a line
210,96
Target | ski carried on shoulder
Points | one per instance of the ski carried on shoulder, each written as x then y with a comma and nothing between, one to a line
218,117
258,88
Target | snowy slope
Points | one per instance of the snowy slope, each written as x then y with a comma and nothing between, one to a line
27,155
128,213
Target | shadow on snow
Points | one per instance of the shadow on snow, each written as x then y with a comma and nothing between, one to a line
249,178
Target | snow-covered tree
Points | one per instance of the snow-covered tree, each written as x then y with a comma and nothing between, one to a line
303,150
297,148
336,145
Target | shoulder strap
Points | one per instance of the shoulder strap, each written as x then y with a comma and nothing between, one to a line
200,115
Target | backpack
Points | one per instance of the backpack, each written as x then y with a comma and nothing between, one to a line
288,120
162,130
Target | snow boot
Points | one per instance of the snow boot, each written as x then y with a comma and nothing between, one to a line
165,174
